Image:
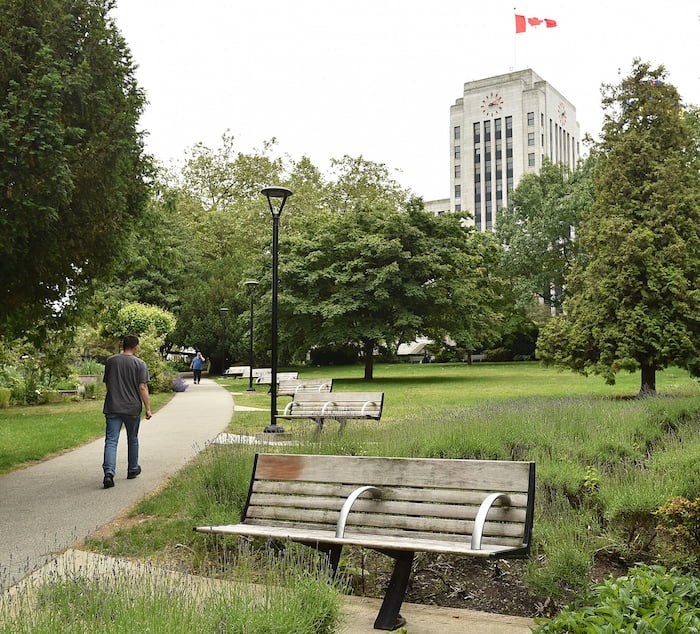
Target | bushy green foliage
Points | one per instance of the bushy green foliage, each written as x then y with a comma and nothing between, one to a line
679,524
137,319
69,110
648,599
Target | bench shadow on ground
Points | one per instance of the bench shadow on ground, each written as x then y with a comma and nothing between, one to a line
398,380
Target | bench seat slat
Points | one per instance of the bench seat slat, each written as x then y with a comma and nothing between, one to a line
358,539
416,536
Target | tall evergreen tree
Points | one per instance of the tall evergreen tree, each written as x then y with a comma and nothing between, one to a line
634,303
72,165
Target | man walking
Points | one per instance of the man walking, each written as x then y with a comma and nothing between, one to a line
126,377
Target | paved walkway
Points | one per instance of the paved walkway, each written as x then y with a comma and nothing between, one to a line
47,508
51,506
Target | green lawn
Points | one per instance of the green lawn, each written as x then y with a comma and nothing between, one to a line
32,433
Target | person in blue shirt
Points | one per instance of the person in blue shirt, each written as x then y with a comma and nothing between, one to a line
197,365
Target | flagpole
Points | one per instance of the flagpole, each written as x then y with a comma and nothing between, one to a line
515,42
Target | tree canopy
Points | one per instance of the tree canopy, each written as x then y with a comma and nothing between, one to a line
72,165
634,301
538,229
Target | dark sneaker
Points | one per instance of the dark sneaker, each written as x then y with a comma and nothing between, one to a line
130,475
108,481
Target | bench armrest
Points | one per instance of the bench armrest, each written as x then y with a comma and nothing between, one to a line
481,517
325,405
347,505
287,408
365,406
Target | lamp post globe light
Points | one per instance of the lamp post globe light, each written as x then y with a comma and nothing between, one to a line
276,198
250,287
223,313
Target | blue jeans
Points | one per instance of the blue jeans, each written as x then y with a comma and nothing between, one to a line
113,427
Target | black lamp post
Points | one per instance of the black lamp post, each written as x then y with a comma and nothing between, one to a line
250,286
223,312
279,195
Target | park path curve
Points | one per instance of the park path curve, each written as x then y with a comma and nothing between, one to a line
50,506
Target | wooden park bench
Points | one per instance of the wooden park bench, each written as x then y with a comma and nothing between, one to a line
238,371
266,378
340,406
290,387
396,506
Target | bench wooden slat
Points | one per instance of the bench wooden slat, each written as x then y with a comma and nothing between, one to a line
290,387
504,476
421,509
319,489
358,539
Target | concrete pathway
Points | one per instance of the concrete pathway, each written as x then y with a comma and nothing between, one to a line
51,506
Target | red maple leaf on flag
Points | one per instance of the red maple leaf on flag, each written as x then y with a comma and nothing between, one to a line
522,22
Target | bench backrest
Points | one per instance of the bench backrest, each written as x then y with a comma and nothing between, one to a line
266,379
290,387
337,404
238,370
261,372
420,497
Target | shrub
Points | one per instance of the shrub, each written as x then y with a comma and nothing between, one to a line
648,599
5,393
679,526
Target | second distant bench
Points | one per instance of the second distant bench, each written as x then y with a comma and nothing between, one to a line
340,406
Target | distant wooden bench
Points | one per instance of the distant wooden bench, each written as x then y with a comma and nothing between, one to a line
290,387
396,506
238,371
340,406
266,379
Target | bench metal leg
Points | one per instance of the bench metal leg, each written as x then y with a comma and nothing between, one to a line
388,617
319,427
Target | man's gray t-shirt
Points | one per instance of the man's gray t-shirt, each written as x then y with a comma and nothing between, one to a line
123,375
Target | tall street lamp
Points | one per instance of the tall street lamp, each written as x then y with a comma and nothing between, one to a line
223,313
250,286
279,195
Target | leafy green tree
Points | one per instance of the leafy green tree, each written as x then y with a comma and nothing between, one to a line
136,319
71,158
538,230
634,303
378,276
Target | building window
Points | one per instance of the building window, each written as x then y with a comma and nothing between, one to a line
531,138
542,119
530,119
487,131
458,152
458,171
458,191
477,133
458,207
457,133
531,159
542,139
497,128
509,127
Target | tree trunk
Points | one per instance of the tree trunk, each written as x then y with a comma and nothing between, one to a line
648,387
368,351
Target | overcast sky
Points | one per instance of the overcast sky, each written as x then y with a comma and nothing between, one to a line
377,77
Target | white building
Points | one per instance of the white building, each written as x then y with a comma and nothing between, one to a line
501,128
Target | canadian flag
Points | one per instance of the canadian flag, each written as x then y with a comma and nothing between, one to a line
521,23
